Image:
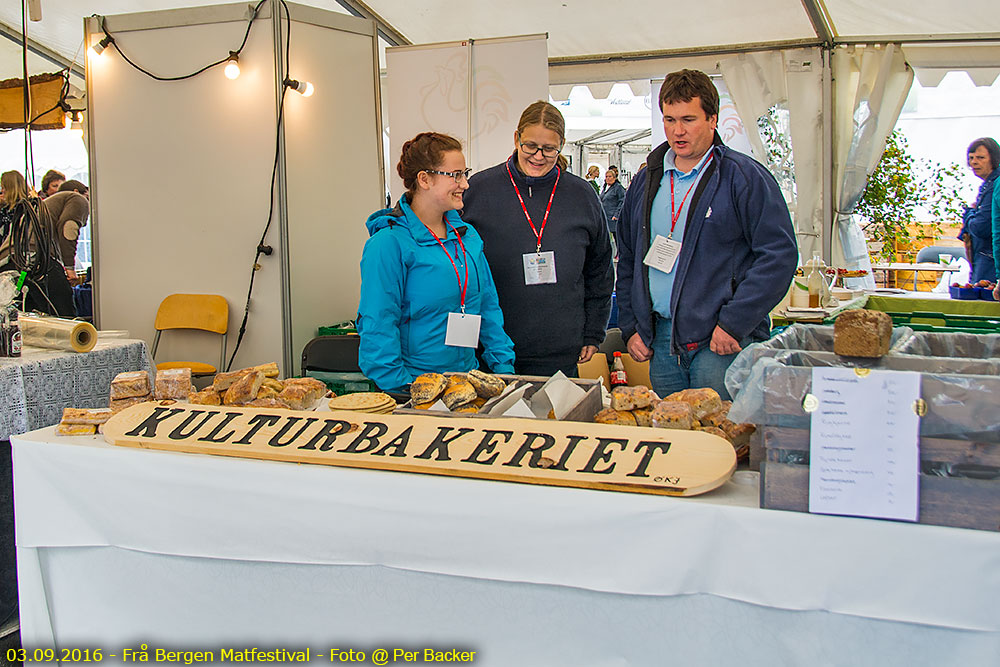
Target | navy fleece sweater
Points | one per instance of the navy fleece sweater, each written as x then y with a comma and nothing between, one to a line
548,323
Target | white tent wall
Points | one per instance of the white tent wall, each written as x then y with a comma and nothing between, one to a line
429,88
182,209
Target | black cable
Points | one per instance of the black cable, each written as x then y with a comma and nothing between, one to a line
261,248
27,229
237,52
29,158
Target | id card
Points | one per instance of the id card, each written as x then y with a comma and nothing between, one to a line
539,267
463,330
662,254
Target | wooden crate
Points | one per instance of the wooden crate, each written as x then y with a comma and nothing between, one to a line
584,410
959,439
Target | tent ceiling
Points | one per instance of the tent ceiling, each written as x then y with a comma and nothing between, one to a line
586,30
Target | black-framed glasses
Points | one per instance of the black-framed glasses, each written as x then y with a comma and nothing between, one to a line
459,174
530,148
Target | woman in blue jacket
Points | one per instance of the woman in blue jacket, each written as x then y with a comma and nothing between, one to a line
427,294
612,198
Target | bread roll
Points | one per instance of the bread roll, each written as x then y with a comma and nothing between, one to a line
458,392
244,389
617,417
130,384
427,387
673,414
173,383
486,385
862,333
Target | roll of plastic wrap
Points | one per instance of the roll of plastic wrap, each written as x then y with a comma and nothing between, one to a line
57,334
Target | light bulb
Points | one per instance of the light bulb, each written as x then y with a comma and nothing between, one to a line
232,66
99,47
304,88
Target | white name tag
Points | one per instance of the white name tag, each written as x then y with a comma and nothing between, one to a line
662,254
539,268
463,330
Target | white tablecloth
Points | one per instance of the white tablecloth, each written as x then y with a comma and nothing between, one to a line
35,387
118,546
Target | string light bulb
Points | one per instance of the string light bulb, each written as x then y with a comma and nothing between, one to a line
304,88
232,69
98,48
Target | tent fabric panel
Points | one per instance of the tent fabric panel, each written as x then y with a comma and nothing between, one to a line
912,17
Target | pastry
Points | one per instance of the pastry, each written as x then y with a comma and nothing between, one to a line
130,384
458,392
173,383
672,414
486,385
713,430
266,392
317,386
271,383
267,403
270,370
862,333
739,434
205,397
643,416
630,398
224,381
85,416
612,416
425,388
301,395
244,389
76,429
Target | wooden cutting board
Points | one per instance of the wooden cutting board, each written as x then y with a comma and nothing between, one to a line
592,456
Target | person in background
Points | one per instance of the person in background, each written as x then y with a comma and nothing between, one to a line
995,215
427,294
592,174
50,183
977,221
548,245
15,193
67,212
706,250
612,198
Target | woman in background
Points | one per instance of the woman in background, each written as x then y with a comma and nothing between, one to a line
548,245
427,295
612,198
592,175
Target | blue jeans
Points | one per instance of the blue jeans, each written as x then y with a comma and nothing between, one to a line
700,368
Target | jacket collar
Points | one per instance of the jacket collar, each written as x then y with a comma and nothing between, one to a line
523,179
418,230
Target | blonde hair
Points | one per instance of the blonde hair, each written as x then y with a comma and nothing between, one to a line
544,114
594,171
15,188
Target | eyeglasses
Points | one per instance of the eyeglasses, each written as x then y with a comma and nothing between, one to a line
459,175
531,149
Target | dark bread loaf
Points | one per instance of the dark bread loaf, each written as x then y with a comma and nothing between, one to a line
862,333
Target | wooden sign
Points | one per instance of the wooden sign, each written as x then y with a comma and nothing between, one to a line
593,456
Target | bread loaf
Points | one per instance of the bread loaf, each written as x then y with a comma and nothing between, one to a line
85,416
643,416
862,333
244,389
76,429
703,401
205,397
300,395
672,414
630,398
486,385
173,383
119,404
130,384
224,381
270,370
425,388
267,403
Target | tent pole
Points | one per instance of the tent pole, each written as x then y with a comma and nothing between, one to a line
829,186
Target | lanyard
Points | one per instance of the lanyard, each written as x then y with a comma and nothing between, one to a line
545,219
461,288
674,215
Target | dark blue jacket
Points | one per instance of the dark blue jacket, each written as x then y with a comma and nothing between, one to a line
611,200
737,259
977,221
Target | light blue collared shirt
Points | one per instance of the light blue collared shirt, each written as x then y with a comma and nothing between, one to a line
661,284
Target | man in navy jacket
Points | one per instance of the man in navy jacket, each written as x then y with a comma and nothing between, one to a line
706,246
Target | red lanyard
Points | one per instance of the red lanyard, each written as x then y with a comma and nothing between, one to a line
674,215
462,288
538,232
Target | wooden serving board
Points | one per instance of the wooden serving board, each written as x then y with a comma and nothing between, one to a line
593,456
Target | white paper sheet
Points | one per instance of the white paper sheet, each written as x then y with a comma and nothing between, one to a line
558,394
519,409
864,456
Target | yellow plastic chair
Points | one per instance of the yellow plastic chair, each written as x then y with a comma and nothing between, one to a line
202,312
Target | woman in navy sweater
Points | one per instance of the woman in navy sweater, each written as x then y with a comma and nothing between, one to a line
548,246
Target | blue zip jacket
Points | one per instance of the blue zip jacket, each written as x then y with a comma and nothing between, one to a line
978,222
408,288
737,258
611,200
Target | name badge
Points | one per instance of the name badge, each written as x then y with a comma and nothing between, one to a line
662,254
463,330
539,268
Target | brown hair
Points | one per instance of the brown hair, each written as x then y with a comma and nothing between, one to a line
544,114
51,175
422,152
74,186
15,188
687,84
